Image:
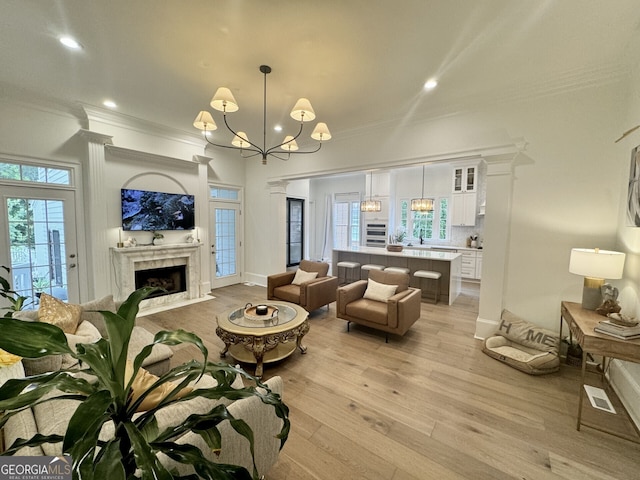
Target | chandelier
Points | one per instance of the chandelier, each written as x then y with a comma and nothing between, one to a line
224,102
370,205
422,204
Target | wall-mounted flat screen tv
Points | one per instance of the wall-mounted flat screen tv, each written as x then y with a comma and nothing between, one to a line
146,211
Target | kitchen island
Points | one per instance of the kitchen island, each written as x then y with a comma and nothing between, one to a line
448,264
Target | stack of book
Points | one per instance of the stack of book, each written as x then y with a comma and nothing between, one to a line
624,333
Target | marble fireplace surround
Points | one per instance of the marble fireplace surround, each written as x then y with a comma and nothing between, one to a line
127,261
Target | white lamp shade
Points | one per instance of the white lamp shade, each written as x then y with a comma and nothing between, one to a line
204,121
289,144
596,263
321,132
370,206
240,140
422,205
224,100
303,111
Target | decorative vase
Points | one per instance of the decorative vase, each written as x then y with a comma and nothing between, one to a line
158,240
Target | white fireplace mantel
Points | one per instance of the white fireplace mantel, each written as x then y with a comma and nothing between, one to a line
126,261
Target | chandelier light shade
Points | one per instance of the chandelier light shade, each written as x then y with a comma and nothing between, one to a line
370,205
204,121
422,204
595,266
289,144
225,102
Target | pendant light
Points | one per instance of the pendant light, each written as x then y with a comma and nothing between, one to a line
370,205
422,204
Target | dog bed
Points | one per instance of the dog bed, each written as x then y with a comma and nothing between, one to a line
524,346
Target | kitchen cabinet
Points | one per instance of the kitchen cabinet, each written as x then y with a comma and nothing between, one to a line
465,179
471,267
463,209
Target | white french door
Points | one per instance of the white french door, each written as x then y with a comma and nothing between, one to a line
225,243
39,242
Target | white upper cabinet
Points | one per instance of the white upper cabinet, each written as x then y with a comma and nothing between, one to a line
465,179
463,210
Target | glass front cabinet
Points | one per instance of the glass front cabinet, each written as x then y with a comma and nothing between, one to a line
465,179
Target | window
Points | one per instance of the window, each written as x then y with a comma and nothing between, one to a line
430,226
34,173
346,220
223,193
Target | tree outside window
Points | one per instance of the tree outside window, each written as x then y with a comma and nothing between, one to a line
430,226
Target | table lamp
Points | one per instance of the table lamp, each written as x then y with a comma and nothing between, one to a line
595,266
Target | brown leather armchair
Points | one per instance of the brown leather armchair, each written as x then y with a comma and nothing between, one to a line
396,315
311,294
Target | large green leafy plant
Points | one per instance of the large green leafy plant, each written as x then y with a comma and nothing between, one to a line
105,397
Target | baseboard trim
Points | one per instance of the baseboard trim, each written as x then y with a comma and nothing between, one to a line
485,328
255,279
627,388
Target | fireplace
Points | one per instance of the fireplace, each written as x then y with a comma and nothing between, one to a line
169,279
173,267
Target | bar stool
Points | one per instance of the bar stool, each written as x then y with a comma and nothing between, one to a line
367,267
430,276
397,270
349,272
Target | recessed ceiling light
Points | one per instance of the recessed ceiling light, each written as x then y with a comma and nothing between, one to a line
430,84
278,128
109,104
70,42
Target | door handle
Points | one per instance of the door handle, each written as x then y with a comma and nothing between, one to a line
72,265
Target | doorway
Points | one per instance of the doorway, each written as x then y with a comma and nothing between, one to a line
226,244
40,246
295,231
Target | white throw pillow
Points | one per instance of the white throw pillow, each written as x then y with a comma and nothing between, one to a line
86,333
302,276
380,292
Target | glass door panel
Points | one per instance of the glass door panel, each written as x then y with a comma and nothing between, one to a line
225,259
41,232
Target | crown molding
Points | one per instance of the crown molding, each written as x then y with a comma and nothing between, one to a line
138,156
120,120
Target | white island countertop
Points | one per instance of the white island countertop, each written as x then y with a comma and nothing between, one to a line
407,252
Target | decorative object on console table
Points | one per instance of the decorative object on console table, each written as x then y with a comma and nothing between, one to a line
595,266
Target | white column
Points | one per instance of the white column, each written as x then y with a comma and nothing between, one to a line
202,222
95,212
497,225
278,216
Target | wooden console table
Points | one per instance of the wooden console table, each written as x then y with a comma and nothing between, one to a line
582,322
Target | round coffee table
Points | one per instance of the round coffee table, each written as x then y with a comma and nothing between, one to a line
254,339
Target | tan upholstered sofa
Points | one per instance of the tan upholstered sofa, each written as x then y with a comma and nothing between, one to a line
52,418
394,314
91,328
310,294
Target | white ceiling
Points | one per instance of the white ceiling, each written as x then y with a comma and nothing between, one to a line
360,62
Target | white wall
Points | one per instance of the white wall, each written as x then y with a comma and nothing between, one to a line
626,375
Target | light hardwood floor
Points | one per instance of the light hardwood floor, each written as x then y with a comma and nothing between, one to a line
429,405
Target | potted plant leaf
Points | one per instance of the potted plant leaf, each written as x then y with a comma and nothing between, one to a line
106,397
16,302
